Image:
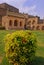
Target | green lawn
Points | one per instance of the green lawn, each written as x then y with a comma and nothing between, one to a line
40,49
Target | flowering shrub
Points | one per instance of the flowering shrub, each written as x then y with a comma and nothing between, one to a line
20,47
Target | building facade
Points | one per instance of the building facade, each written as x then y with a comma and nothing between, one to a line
12,19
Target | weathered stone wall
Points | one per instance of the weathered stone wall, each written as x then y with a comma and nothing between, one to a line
33,24
9,7
6,20
2,12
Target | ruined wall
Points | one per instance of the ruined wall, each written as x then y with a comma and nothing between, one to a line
9,7
6,20
2,12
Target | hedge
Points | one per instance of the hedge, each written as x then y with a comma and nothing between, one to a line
20,47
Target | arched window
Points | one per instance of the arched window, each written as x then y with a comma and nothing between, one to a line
33,22
42,27
20,23
10,22
15,23
29,22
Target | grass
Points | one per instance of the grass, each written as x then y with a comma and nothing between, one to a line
40,49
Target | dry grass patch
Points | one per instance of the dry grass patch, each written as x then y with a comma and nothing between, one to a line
41,44
1,60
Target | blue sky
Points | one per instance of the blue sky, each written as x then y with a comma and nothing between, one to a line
33,7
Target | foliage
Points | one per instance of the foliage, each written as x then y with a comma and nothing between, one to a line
20,47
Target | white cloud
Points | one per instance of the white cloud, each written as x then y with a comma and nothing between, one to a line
28,9
16,2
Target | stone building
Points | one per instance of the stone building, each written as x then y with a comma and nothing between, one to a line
12,19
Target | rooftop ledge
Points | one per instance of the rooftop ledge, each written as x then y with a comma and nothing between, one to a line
16,14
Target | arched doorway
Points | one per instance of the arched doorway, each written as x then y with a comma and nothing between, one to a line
10,23
38,28
33,27
15,23
20,23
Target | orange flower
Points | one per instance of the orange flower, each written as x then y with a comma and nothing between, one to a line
24,40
